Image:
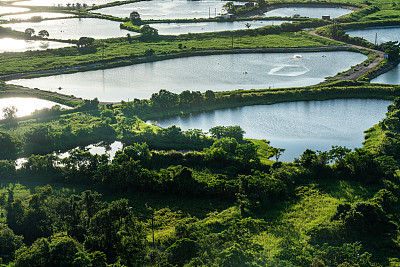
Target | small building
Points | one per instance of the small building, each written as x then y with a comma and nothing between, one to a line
326,17
226,16
386,56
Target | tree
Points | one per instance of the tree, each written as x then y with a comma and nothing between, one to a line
227,131
134,16
117,232
43,34
29,32
261,3
278,152
10,113
391,49
148,32
9,242
85,41
210,95
164,99
9,146
229,7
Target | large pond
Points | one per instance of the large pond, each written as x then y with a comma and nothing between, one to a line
311,12
183,28
74,28
169,9
61,2
26,106
43,15
16,45
216,72
7,10
382,34
295,126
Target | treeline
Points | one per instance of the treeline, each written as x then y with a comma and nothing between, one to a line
232,163
165,103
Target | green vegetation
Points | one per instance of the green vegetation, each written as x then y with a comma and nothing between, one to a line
327,207
227,201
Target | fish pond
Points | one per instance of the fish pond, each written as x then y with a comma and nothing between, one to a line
201,73
216,72
311,12
61,2
74,28
25,106
184,28
169,9
295,126
38,15
7,10
17,45
382,34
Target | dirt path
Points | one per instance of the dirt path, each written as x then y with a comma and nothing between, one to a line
358,70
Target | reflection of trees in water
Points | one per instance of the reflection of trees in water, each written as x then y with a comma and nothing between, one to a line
44,45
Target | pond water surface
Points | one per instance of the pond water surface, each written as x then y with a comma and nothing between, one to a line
383,34
25,106
390,77
15,45
311,12
295,126
169,9
43,15
74,28
184,28
6,9
61,2
216,72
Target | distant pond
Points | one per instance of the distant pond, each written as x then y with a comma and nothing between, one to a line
169,9
74,28
43,15
295,126
311,12
16,45
61,2
184,28
216,72
382,34
6,10
26,106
